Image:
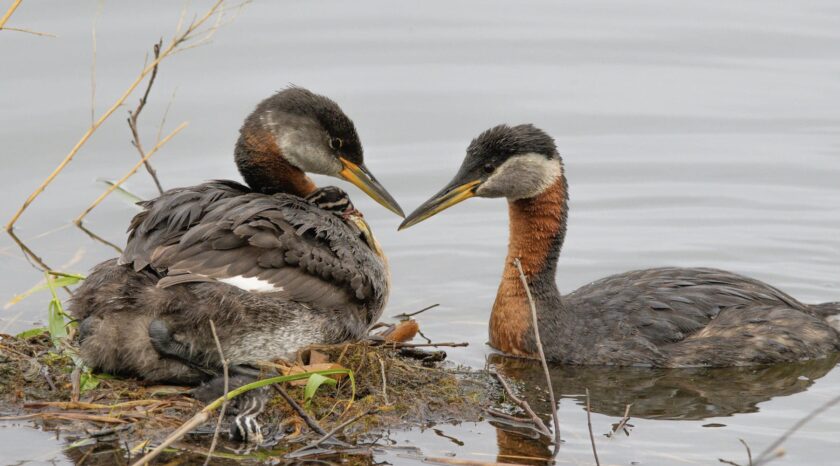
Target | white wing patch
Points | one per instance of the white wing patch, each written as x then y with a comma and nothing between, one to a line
834,321
251,284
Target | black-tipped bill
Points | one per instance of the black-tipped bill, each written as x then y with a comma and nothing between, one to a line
446,198
360,176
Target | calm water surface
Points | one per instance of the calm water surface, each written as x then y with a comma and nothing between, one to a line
699,135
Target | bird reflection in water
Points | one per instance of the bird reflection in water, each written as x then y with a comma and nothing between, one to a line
655,393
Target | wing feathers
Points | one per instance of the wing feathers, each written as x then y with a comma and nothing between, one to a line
220,230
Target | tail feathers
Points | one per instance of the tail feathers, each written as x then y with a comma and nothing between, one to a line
828,311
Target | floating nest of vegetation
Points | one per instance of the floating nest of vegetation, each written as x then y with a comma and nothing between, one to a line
382,387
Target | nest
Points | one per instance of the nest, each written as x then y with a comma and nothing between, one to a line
42,384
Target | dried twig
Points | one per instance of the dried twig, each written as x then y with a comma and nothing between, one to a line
770,453
29,31
312,423
302,451
406,316
542,358
173,46
132,120
424,345
540,425
227,387
622,423
589,425
749,452
9,13
384,382
33,259
99,239
133,170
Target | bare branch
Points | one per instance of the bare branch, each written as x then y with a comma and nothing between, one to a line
227,387
132,120
302,451
406,316
589,424
171,48
542,358
312,423
449,344
29,31
99,239
540,425
770,452
133,170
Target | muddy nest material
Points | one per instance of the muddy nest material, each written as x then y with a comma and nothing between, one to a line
412,392
36,383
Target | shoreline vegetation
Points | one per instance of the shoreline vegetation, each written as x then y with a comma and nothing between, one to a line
334,403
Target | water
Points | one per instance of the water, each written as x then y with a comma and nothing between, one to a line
703,134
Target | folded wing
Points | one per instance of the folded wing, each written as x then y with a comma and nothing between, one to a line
281,244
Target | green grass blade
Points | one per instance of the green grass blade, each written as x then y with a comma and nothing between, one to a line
27,334
315,381
55,320
126,195
279,379
58,281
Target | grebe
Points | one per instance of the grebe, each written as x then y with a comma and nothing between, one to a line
666,317
265,262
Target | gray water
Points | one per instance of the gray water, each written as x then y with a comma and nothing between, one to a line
694,134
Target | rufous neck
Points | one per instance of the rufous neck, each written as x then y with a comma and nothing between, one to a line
537,231
264,168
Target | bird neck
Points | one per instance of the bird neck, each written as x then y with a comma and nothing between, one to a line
537,231
264,168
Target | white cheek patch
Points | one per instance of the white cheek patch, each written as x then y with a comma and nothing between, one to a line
251,284
522,176
302,143
304,149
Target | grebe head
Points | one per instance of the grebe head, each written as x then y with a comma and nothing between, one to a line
296,131
515,162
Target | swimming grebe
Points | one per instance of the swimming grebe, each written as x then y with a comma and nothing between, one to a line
273,270
668,317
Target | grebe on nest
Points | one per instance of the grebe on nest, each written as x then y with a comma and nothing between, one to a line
276,265
667,317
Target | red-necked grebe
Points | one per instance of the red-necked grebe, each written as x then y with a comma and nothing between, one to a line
669,317
269,262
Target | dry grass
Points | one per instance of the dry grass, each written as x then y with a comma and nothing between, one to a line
199,31
132,171
9,12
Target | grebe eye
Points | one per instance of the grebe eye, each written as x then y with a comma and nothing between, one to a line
489,168
336,143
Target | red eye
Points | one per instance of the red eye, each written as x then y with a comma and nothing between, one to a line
336,143
489,168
